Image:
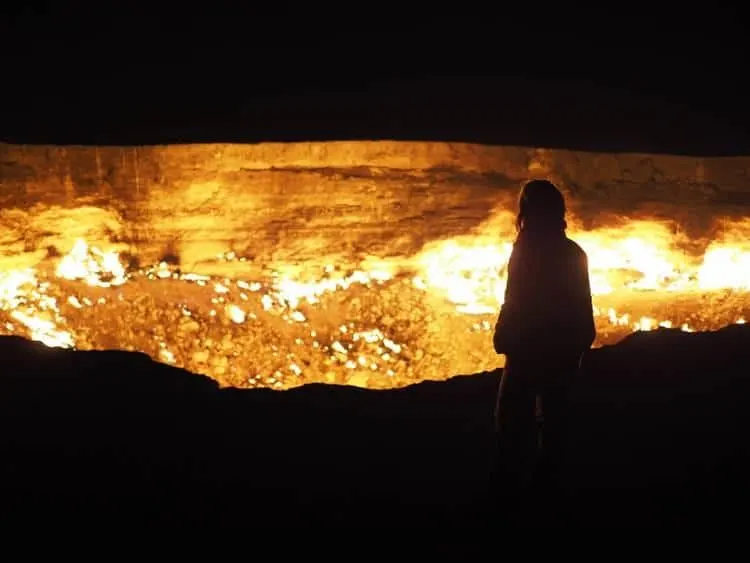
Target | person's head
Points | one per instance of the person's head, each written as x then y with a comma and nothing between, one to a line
541,207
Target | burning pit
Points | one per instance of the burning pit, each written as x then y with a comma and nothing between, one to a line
288,268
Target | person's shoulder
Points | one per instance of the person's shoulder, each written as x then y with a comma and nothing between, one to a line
521,241
575,249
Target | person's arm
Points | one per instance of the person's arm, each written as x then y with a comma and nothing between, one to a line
508,312
586,322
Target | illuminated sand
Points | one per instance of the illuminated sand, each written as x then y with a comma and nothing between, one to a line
387,324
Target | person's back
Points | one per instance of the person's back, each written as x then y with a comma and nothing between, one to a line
548,297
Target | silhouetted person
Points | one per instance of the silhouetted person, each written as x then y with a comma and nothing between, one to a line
545,325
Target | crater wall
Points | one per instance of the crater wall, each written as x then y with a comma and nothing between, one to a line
295,202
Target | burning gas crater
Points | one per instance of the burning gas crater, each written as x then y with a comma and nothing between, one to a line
386,323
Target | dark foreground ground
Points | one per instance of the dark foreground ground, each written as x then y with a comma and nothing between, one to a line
112,439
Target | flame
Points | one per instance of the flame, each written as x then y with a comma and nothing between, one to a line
25,297
92,266
725,267
468,274
210,323
472,273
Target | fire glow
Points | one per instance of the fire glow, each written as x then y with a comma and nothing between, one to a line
382,324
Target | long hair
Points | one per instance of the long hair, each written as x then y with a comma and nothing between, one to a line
541,207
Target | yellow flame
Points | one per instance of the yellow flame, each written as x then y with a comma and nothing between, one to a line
92,266
25,298
725,267
471,273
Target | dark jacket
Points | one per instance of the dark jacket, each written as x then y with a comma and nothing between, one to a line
547,306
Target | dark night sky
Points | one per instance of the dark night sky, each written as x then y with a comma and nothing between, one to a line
625,79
